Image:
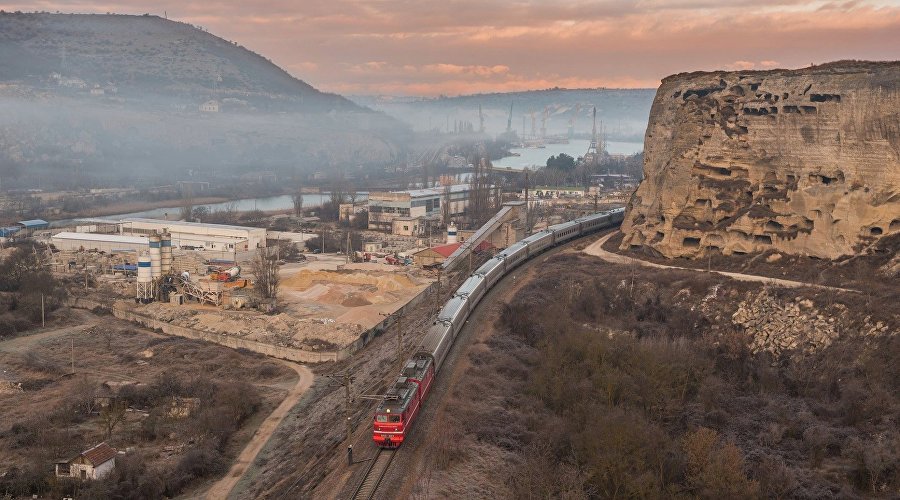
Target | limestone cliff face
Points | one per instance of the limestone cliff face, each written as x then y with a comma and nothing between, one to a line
804,161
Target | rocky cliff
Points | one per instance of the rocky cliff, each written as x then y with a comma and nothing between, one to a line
802,161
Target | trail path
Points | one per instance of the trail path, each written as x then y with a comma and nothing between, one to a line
596,249
24,343
223,487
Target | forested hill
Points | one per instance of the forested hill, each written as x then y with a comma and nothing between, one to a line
146,54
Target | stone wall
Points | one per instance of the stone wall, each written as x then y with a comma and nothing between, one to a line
805,162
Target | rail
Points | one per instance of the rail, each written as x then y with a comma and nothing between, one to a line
377,467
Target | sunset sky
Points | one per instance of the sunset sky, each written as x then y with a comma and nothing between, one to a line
424,47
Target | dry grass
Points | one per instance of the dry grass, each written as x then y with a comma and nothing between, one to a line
594,387
59,415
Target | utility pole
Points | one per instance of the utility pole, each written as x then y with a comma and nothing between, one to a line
437,298
43,324
527,209
73,354
347,381
347,400
399,337
323,239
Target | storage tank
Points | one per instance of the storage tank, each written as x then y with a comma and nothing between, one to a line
144,279
155,255
166,252
451,233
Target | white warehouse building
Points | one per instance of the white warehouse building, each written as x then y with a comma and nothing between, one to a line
212,236
109,243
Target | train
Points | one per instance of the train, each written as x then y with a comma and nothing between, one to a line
403,401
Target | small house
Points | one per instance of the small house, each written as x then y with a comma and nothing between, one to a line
211,106
435,255
94,463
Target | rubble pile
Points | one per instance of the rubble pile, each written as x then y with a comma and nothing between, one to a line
782,327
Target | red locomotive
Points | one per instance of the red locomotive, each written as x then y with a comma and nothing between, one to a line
402,402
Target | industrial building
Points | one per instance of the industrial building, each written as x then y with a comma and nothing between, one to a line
212,241
109,243
555,192
411,204
210,236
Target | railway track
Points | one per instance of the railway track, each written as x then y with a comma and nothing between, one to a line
377,467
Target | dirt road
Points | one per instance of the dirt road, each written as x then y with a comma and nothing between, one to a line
223,487
596,249
24,343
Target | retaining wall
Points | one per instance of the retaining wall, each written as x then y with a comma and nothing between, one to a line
124,310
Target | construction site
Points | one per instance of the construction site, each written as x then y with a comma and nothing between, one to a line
197,280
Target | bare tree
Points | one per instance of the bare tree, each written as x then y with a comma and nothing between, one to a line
445,205
112,415
351,193
187,201
297,198
265,269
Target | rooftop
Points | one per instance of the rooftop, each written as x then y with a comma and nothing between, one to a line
444,250
99,454
421,193
33,223
110,238
181,223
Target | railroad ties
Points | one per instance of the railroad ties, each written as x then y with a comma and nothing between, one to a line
377,467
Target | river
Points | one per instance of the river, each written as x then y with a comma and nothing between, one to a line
532,157
281,202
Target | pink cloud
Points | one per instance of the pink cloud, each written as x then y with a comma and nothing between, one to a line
432,47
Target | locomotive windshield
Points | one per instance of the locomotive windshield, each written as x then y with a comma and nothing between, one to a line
387,418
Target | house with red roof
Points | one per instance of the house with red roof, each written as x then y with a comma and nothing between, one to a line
94,463
440,253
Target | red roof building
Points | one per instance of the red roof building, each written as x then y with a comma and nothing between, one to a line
89,464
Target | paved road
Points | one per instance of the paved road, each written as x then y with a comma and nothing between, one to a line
223,487
596,249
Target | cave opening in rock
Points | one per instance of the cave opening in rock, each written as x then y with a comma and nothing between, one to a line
825,98
876,231
774,226
691,242
763,238
895,225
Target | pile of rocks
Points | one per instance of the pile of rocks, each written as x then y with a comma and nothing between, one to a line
778,326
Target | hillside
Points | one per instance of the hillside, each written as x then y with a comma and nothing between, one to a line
96,100
145,54
623,112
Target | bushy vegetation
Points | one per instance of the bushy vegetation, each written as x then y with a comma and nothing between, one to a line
205,432
24,280
597,387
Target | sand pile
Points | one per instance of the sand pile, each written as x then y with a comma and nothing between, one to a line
382,281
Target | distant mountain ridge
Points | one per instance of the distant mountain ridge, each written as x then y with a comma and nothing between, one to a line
624,112
147,54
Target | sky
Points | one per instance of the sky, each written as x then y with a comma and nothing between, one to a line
453,47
